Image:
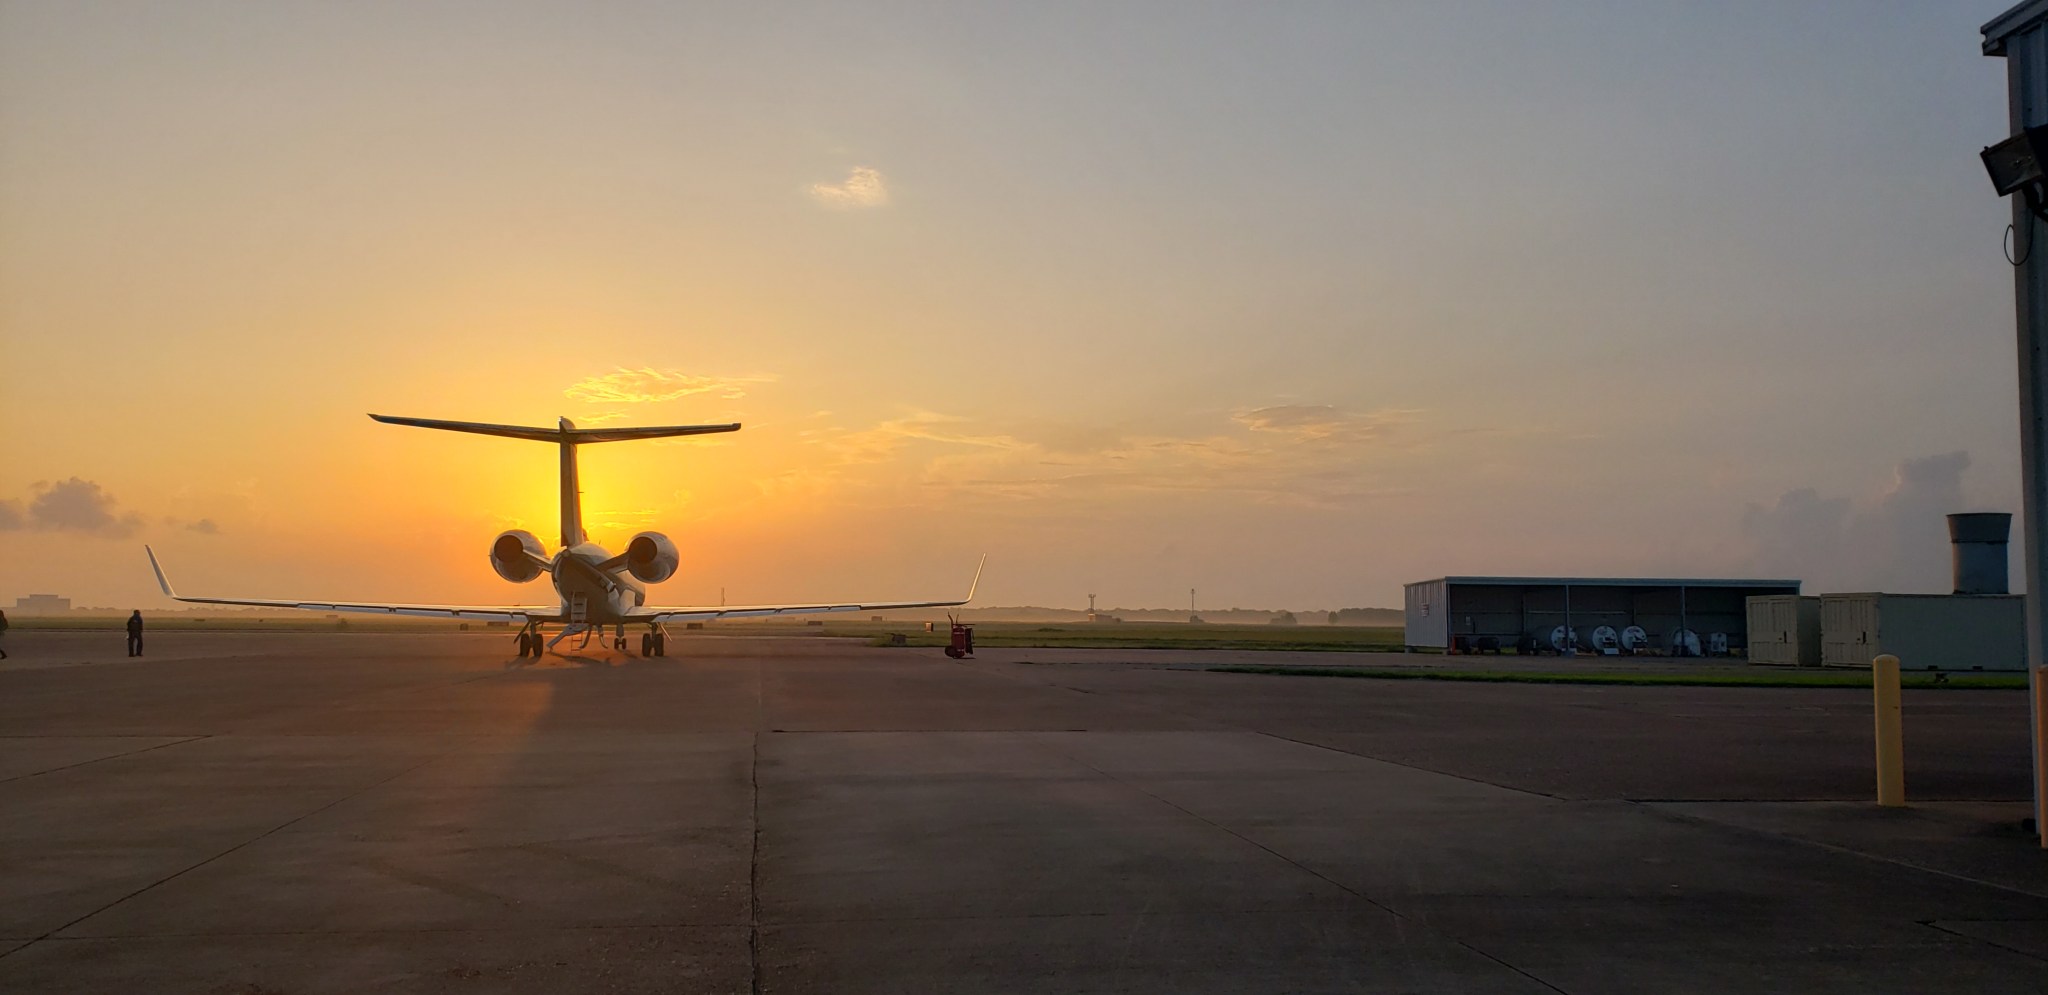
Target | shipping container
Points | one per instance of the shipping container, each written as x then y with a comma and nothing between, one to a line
1925,631
1785,629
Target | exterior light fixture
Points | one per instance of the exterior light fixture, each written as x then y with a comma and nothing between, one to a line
2015,166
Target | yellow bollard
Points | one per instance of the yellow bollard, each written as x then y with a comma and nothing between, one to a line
1891,756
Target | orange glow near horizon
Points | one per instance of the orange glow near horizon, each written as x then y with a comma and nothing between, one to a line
1125,328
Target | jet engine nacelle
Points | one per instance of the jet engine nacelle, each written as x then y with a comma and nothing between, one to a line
513,556
651,557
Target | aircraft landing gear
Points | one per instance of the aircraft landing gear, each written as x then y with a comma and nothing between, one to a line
654,642
530,641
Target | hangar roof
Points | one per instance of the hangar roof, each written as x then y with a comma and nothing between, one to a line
2023,17
1614,582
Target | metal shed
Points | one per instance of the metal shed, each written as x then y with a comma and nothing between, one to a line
1448,610
1785,629
1925,631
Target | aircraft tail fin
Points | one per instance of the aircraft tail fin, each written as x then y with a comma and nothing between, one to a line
568,436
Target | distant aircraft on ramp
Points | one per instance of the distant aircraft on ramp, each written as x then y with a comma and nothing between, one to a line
596,588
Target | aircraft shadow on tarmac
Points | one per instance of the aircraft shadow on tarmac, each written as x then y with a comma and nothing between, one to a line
579,659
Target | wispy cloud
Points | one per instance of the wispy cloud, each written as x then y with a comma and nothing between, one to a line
1309,456
74,505
884,440
1316,422
621,519
647,385
863,187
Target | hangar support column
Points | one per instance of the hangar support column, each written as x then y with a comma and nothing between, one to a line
2020,36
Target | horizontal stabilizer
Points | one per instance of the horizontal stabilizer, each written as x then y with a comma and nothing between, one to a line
565,432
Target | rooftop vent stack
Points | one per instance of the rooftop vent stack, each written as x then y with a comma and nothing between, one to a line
1979,541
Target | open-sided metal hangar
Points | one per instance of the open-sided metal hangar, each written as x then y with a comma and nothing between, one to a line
1671,614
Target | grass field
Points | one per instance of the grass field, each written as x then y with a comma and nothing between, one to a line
1125,635
1760,678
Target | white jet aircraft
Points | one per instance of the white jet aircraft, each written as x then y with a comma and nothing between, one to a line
596,588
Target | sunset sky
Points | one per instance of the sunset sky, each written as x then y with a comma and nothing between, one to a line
1286,302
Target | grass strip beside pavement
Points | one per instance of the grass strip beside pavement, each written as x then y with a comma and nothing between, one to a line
1788,679
1129,636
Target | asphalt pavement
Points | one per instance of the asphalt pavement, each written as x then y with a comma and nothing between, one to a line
314,812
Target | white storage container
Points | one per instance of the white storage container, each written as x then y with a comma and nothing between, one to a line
1925,631
1784,629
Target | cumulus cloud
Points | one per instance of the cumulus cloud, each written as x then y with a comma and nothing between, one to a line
74,505
203,526
645,386
863,187
1895,540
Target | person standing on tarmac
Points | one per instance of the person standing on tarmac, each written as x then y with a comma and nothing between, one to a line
135,633
3,635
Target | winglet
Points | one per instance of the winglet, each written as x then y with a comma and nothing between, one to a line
970,587
163,582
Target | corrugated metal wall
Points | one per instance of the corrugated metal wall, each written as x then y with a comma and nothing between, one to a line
2026,56
1426,612
1942,632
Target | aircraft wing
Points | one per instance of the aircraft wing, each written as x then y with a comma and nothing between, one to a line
709,613
512,613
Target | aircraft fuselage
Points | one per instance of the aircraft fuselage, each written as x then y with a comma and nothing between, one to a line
605,596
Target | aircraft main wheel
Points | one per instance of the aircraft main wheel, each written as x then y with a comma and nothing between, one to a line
647,644
660,644
525,641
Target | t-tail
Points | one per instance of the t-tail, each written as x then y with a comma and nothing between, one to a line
568,436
